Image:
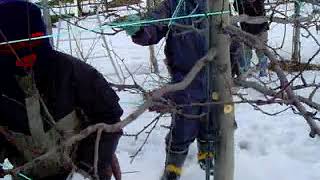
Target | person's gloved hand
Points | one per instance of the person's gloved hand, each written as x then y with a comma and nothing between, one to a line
159,104
132,29
114,169
159,107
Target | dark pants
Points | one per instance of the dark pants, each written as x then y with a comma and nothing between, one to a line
236,57
184,131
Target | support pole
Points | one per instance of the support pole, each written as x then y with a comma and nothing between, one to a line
219,90
296,34
105,43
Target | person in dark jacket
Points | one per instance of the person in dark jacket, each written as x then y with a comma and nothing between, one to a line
254,8
184,47
236,58
47,96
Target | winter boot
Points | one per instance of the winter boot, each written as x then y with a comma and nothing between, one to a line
206,156
171,172
173,166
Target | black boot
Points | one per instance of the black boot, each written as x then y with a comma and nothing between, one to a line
206,156
173,165
171,173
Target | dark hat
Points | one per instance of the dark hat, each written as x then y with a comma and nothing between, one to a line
19,19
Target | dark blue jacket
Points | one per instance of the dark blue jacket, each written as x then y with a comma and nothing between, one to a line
64,82
184,47
253,8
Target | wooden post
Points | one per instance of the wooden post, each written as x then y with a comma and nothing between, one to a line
296,56
220,84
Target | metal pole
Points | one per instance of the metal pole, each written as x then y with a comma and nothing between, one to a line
153,59
108,49
59,27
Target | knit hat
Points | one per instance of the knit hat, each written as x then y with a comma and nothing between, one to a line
20,19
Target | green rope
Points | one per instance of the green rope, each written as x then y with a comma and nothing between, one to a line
19,174
125,24
175,12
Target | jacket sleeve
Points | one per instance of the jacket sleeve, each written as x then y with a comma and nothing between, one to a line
100,103
153,33
94,95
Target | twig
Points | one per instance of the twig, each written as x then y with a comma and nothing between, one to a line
255,42
145,127
146,139
96,153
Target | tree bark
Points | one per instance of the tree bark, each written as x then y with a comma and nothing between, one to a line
220,84
296,34
79,6
153,60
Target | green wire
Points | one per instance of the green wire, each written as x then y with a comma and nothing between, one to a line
125,24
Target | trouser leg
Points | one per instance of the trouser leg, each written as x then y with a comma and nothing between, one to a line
107,147
263,60
236,58
183,132
206,143
247,58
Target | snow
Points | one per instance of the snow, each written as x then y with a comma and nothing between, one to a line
280,32
266,147
271,147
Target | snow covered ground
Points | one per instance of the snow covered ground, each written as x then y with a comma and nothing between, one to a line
267,148
276,147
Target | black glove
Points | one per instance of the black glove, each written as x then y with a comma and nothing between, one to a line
160,105
114,169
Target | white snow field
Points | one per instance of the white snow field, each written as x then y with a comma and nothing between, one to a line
276,147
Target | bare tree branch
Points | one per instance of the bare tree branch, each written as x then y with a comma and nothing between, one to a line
255,42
